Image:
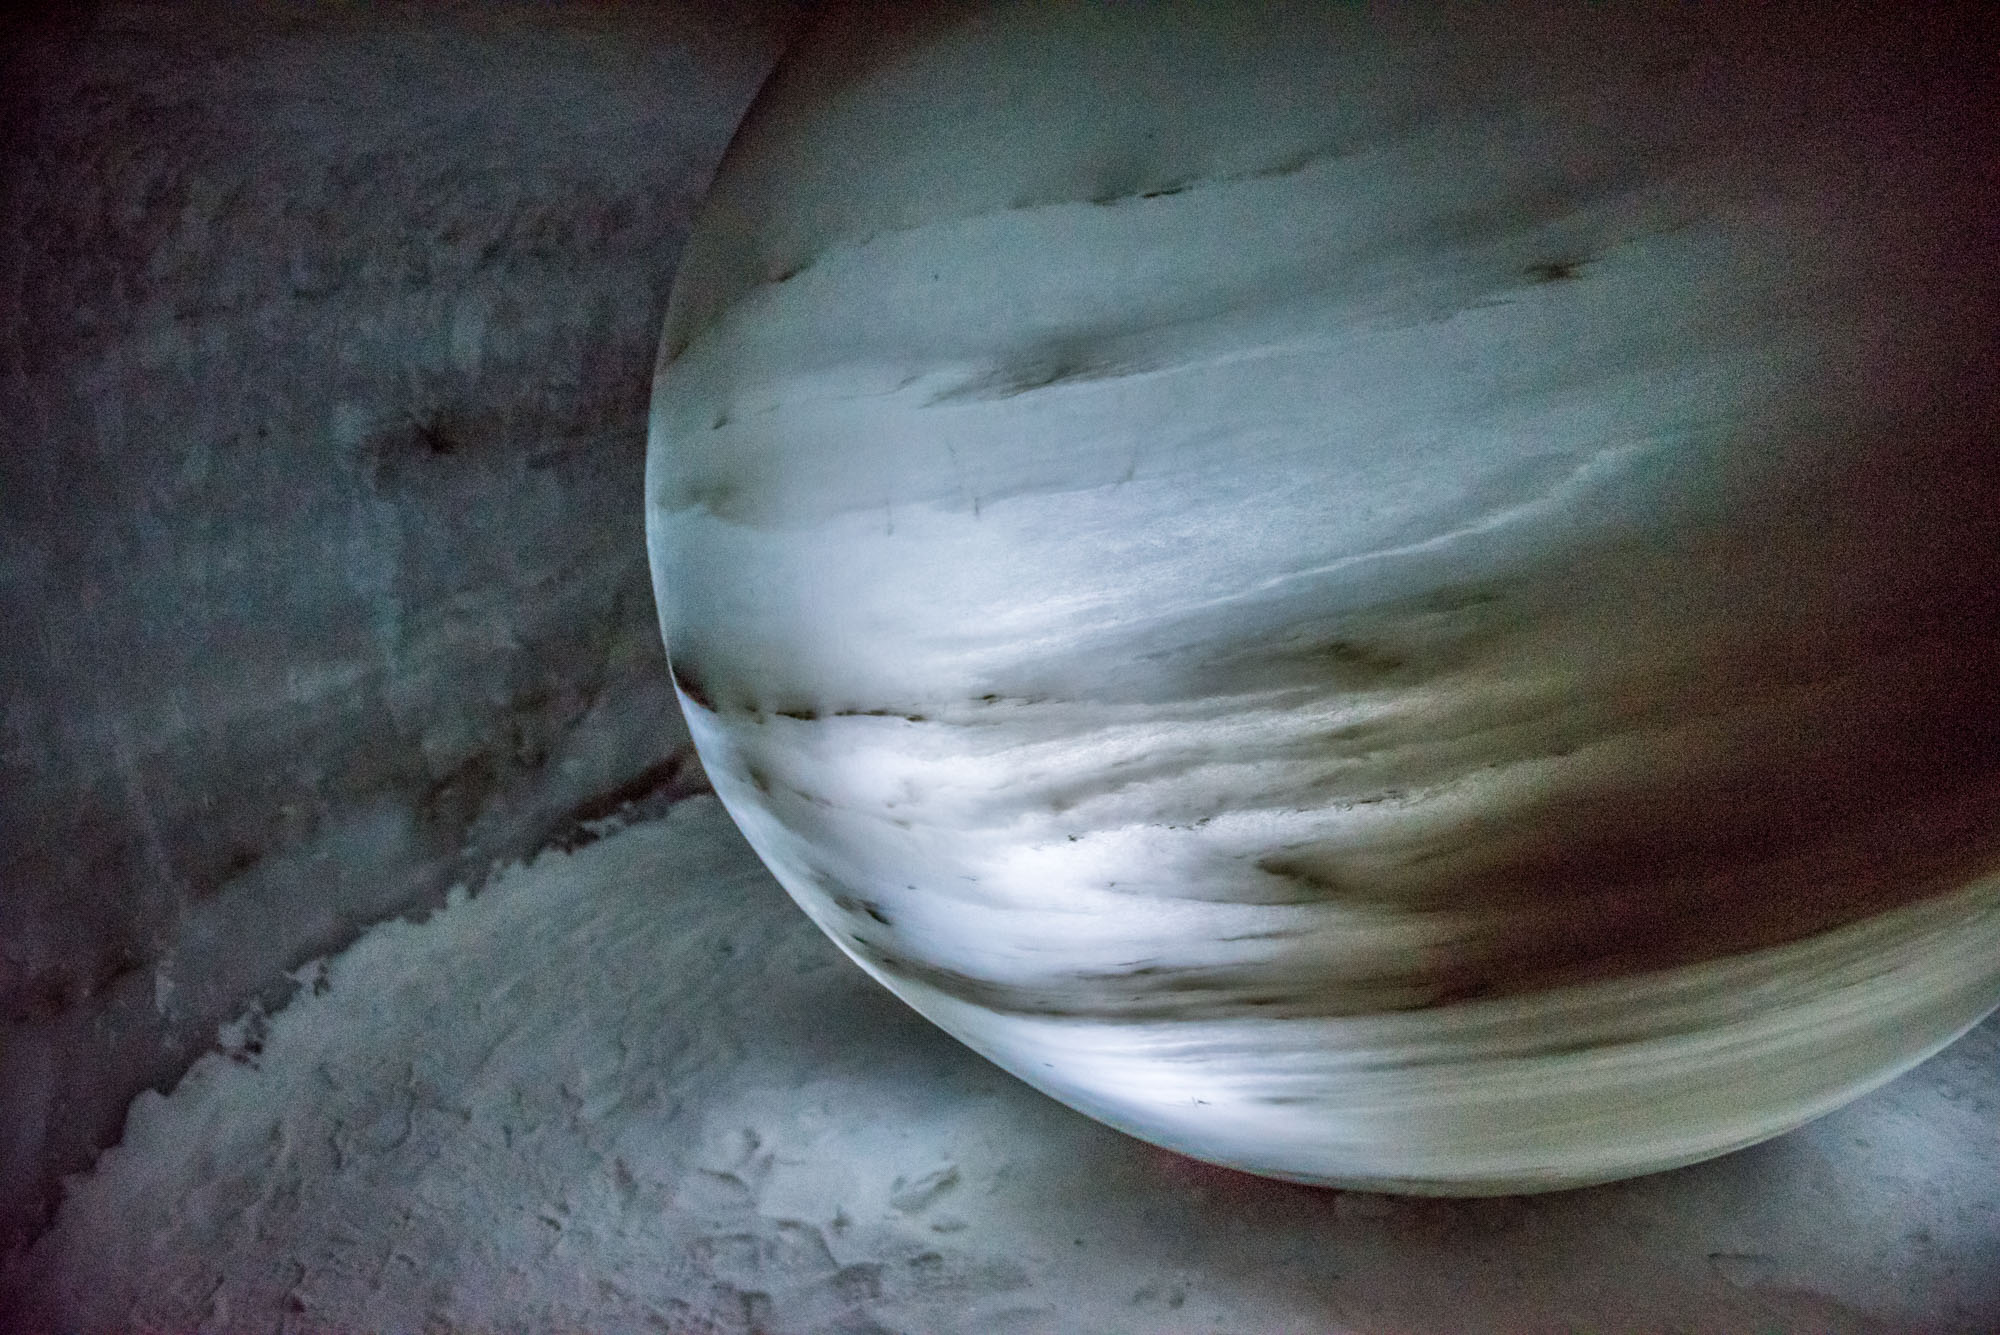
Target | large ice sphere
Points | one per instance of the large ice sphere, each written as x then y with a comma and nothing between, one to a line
1399,596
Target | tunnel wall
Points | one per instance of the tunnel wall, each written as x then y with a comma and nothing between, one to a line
327,333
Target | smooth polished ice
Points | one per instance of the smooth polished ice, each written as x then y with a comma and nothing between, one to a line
1356,595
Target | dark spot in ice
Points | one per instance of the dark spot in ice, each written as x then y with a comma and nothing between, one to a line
1355,657
644,784
645,793
621,1176
859,1283
879,713
457,798
1042,365
404,451
720,497
690,685
1463,992
807,795
863,907
433,436
802,714
1310,882
241,858
1554,271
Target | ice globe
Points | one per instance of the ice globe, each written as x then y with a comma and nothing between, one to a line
1404,597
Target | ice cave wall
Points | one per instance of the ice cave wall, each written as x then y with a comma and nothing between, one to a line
325,340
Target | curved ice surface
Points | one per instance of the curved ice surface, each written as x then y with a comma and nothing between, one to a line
1355,594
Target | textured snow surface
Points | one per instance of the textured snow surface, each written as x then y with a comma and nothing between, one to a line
634,1089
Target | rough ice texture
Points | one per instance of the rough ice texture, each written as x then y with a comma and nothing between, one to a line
1392,595
632,1089
325,333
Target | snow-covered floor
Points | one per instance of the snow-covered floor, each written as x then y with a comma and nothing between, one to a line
631,1088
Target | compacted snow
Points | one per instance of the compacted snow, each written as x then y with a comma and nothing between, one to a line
632,1088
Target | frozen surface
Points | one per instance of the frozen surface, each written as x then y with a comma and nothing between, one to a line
1395,596
633,1089
324,340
